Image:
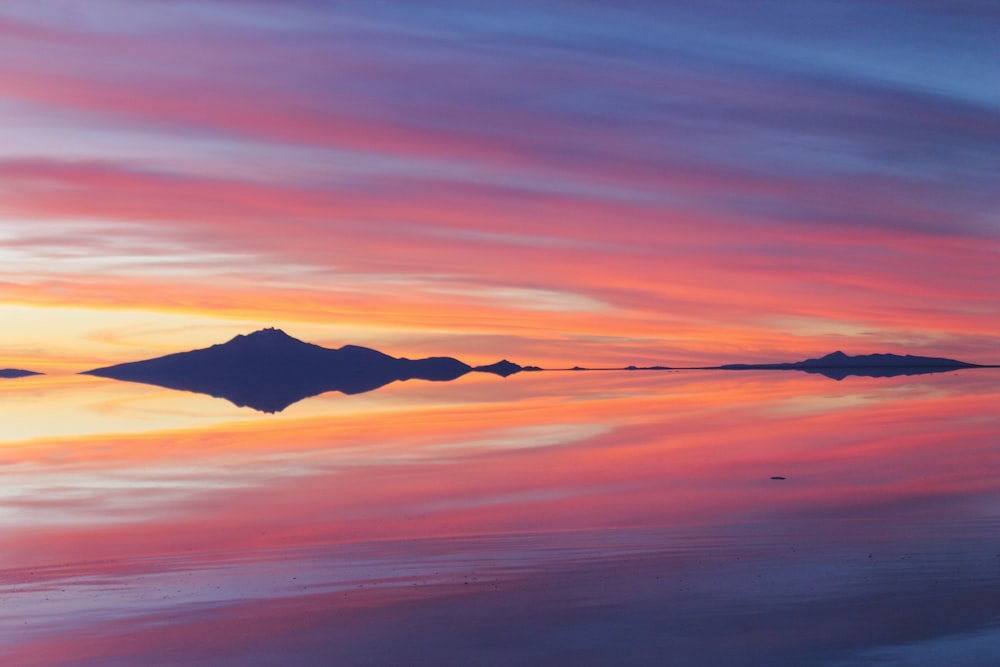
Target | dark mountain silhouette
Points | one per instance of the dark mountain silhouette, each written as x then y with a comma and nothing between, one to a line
15,373
838,365
502,368
269,370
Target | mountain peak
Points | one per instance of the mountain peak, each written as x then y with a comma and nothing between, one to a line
267,333
268,336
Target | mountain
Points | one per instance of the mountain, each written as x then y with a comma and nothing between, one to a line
838,365
269,370
502,368
15,373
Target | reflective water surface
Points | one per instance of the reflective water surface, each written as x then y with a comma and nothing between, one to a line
547,518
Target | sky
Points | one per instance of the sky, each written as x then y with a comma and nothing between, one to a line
552,182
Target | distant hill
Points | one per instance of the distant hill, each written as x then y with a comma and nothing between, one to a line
15,373
502,368
838,365
268,370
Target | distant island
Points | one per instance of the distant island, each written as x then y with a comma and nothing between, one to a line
838,365
835,365
268,370
16,373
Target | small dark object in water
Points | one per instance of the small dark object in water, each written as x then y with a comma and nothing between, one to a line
777,477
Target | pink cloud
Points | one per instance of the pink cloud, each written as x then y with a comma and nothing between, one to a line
638,197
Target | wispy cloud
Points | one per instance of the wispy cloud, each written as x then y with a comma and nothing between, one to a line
695,170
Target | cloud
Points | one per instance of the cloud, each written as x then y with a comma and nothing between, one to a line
689,168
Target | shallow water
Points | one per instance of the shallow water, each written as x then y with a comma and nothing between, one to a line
547,518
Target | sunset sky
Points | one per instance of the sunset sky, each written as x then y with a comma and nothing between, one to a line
552,182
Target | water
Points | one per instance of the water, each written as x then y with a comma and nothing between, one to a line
549,518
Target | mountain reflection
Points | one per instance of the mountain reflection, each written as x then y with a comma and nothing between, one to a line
877,372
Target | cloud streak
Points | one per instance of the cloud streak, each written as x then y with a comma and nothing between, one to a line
686,172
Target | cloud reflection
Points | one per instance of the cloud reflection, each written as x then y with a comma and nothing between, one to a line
557,501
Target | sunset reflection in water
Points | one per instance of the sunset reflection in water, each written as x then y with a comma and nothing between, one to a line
549,518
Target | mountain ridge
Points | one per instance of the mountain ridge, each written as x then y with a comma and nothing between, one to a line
838,365
268,370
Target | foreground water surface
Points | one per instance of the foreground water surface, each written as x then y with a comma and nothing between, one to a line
547,518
